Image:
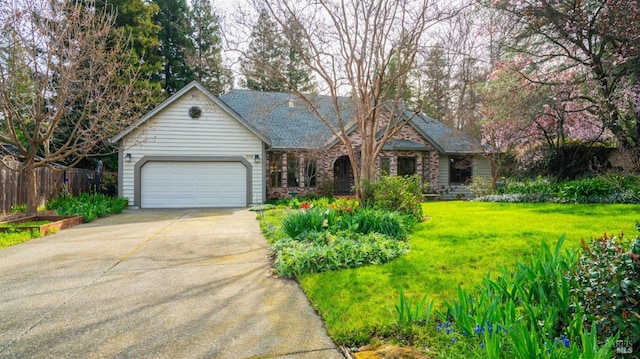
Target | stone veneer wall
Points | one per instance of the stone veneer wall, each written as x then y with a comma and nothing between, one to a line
427,163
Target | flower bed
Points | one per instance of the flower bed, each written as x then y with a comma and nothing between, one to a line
52,224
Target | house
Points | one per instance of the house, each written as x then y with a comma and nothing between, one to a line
198,150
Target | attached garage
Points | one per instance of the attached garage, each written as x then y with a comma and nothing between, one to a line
190,151
188,184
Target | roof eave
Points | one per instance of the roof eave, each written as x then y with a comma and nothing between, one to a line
177,95
426,137
164,104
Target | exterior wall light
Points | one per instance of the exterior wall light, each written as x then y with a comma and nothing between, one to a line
127,157
256,158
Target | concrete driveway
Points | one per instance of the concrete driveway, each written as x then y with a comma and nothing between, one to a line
154,284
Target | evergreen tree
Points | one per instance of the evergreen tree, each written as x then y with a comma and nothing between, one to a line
277,58
436,86
264,65
175,44
298,73
206,59
134,20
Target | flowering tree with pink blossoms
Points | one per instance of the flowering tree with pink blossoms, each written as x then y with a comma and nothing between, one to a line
540,123
597,42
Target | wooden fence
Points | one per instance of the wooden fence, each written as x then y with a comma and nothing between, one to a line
50,184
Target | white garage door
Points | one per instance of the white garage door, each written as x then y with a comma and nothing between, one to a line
193,184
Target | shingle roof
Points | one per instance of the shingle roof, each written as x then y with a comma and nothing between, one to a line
9,150
166,103
404,145
285,119
446,139
291,124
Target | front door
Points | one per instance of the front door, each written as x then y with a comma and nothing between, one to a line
342,176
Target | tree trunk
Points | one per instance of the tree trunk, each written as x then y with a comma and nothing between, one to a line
32,190
493,166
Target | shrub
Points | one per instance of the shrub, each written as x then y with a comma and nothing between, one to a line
396,194
480,187
90,206
602,189
19,208
606,284
279,202
310,196
536,186
325,252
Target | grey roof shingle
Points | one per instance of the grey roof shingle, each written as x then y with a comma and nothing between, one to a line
446,139
404,145
284,118
291,124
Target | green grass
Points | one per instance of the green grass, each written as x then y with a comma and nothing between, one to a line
11,238
459,245
24,224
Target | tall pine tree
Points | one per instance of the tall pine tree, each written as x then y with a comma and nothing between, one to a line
277,57
175,44
134,20
264,64
206,58
436,98
298,73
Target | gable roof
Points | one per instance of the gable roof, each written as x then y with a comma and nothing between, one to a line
291,124
177,95
404,145
286,119
444,138
285,122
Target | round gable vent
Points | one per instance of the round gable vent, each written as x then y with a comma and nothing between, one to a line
195,112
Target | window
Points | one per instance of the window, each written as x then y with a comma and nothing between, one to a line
275,169
406,166
292,171
460,169
385,165
310,173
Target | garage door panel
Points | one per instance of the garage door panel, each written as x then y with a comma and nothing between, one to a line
193,184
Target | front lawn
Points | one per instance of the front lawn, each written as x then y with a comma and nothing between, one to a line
458,245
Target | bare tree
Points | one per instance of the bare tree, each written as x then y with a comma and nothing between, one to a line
65,83
365,50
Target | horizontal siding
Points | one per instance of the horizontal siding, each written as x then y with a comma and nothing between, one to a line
172,132
443,177
481,167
